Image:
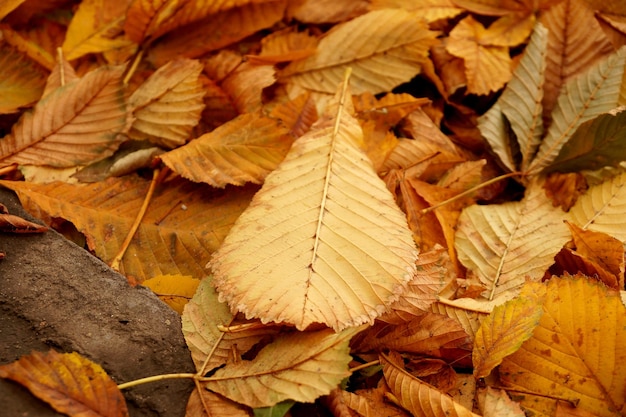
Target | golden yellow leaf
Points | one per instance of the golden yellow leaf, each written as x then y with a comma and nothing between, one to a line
576,353
326,211
70,383
301,366
487,67
509,243
215,31
7,6
575,42
209,346
29,45
510,30
96,27
173,290
186,222
89,115
369,44
245,149
431,10
325,11
506,328
168,105
284,46
21,80
418,397
601,208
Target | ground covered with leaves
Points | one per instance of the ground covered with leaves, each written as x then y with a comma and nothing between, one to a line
378,207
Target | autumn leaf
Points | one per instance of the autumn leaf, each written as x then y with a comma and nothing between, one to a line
401,37
173,290
90,113
517,240
431,10
203,403
322,199
575,353
185,224
168,105
418,397
278,371
21,82
70,383
506,328
245,149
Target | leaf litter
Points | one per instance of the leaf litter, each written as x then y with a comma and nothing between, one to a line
500,157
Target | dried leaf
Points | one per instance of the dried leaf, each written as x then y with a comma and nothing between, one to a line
508,243
278,371
370,45
284,46
431,10
216,405
418,397
185,223
245,86
602,208
89,115
506,328
15,224
21,80
168,105
245,149
173,290
469,318
70,383
325,209
498,403
576,353
325,11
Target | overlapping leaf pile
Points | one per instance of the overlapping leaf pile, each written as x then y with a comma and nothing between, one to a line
296,200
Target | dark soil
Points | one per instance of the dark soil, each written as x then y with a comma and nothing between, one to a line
54,294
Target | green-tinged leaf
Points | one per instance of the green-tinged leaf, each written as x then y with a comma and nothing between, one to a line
300,366
242,150
521,99
594,92
597,143
323,241
505,329
602,208
370,44
416,396
506,244
70,383
496,130
200,321
576,353
77,123
278,410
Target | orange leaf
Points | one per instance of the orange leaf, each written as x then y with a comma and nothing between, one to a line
245,86
298,114
89,115
70,383
284,46
21,81
173,290
326,11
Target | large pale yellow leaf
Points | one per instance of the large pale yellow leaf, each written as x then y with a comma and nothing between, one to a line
185,222
508,243
96,27
77,123
209,346
419,398
70,383
216,30
323,241
602,208
384,48
168,105
592,93
487,67
21,80
576,353
245,149
506,328
575,42
301,366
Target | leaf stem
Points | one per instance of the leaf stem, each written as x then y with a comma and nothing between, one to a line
155,378
115,263
469,191
133,67
364,365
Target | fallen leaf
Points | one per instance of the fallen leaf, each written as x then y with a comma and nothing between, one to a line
575,353
173,290
431,10
216,405
15,224
22,81
498,403
70,383
313,210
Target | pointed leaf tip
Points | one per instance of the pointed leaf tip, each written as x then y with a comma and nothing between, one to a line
323,241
